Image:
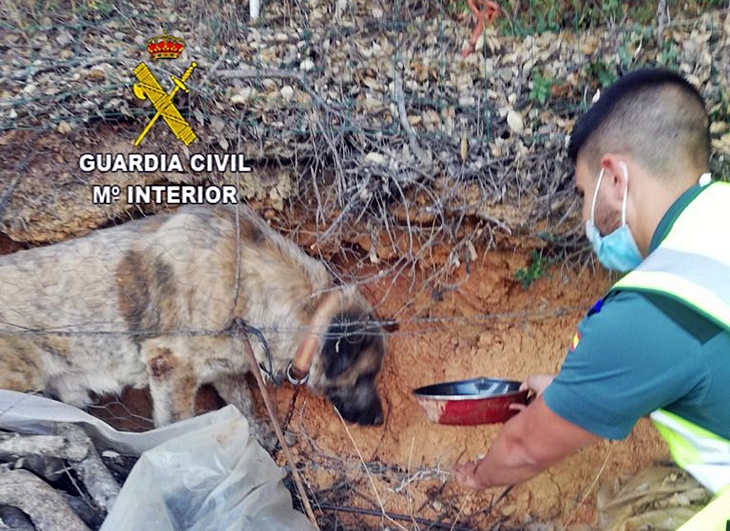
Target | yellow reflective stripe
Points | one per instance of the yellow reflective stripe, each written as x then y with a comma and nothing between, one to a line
683,452
692,443
701,452
707,302
714,517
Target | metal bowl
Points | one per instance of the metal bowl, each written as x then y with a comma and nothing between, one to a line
471,402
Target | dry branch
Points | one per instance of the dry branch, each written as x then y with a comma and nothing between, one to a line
96,477
46,508
430,524
16,446
72,445
662,19
423,156
279,433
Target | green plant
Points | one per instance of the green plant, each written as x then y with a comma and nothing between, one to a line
669,55
602,72
537,268
541,88
457,7
538,17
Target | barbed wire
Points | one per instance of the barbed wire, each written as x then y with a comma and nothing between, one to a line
368,326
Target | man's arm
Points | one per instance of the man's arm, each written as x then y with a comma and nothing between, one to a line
529,443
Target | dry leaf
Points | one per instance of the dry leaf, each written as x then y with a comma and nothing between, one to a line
64,128
464,148
95,74
514,120
199,116
287,92
375,158
216,124
64,38
472,251
722,144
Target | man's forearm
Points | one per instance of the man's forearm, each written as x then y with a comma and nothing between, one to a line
529,443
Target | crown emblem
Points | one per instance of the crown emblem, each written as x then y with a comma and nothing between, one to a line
165,46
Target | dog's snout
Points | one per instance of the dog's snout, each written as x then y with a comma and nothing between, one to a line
363,410
373,416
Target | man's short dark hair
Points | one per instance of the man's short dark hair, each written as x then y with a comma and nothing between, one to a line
654,114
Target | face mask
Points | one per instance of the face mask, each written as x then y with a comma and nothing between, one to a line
618,250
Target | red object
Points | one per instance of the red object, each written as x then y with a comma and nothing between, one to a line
484,16
471,402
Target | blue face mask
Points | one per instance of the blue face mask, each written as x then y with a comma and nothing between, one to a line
618,250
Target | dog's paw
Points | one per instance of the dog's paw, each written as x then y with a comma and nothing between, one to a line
266,437
291,438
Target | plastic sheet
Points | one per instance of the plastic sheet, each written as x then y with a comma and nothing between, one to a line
200,474
216,477
26,413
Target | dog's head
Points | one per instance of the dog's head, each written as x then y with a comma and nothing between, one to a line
349,360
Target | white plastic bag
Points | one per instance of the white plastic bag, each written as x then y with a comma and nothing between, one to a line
31,414
204,473
214,478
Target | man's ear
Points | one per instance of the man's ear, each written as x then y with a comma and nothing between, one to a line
615,177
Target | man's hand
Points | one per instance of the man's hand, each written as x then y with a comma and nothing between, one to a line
465,474
537,383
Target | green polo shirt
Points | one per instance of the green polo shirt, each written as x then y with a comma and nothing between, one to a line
638,352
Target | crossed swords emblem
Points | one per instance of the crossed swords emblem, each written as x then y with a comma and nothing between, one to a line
149,88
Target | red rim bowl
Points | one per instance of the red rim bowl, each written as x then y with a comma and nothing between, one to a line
471,402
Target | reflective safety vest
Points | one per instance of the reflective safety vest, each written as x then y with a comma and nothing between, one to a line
692,265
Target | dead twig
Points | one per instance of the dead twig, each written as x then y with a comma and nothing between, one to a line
662,17
367,471
423,156
97,479
279,435
214,67
430,524
72,445
593,484
17,446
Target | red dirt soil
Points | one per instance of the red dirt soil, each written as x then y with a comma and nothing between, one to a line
488,326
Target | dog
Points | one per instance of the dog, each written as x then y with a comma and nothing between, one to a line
153,303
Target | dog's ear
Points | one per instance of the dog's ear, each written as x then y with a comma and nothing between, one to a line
348,336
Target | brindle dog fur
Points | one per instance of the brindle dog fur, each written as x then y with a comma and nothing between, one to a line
151,303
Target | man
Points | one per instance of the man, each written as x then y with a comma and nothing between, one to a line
659,341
